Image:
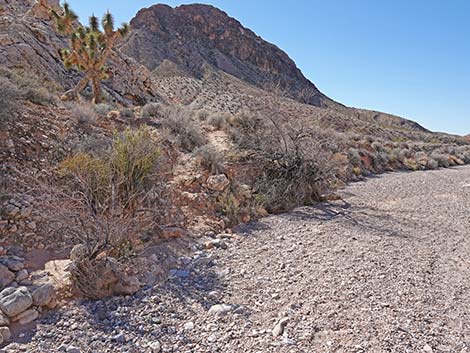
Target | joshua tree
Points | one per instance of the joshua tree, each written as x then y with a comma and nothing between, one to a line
90,48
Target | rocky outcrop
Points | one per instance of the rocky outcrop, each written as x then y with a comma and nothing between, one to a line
192,36
28,40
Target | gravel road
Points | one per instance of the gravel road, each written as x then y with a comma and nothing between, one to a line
386,269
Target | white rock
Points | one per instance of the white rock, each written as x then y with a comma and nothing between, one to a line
5,333
217,182
156,347
189,326
220,309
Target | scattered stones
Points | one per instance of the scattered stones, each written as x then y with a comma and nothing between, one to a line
189,326
72,349
155,347
14,301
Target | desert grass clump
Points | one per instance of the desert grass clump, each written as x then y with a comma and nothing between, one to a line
152,110
181,128
82,112
210,159
217,120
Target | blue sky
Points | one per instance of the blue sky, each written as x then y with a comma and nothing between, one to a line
406,57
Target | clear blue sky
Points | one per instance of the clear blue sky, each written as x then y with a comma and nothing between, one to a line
406,57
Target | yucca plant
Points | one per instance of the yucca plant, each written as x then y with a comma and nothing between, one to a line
90,48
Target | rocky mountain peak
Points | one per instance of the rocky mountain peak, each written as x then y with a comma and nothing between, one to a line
194,35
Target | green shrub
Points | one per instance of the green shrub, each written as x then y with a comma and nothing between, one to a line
441,159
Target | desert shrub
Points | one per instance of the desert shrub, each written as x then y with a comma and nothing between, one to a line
152,110
9,97
127,113
441,159
182,130
217,120
380,160
354,157
107,202
210,159
290,181
202,115
432,164
102,108
82,112
410,164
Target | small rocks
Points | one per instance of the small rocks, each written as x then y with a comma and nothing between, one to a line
14,301
72,349
216,243
220,309
21,275
217,182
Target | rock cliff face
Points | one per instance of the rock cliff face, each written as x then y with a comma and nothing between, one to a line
193,36
28,40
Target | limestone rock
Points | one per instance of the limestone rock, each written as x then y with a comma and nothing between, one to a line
14,301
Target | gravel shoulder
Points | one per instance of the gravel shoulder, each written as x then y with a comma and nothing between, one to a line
386,269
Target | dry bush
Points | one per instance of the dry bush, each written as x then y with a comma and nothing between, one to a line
210,159
202,114
103,108
83,112
107,203
292,164
152,110
181,129
9,97
217,120
441,159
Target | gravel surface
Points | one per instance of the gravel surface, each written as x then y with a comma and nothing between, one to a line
384,270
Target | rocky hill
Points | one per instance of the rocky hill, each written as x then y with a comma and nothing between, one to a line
193,36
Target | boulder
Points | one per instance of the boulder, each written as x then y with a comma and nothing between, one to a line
14,301
5,333
26,317
43,294
217,182
6,276
4,321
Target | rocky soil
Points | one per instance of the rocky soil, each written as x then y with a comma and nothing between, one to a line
385,269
